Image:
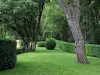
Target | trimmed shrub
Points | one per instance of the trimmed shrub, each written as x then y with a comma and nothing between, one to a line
91,49
41,44
69,47
65,46
7,54
50,44
88,49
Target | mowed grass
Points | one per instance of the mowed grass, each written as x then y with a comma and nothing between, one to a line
44,62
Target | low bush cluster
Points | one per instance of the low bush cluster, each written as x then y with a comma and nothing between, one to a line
7,54
91,49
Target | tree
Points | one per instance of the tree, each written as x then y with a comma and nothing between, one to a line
23,16
72,11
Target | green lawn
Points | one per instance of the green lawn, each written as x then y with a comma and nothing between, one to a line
44,62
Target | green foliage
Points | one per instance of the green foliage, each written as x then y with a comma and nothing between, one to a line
54,21
23,17
41,43
90,20
7,54
50,44
91,50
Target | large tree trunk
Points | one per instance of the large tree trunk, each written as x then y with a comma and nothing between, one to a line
72,11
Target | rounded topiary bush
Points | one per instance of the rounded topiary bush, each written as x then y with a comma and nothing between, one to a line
50,44
7,54
41,44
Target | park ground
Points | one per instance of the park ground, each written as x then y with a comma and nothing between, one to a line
46,62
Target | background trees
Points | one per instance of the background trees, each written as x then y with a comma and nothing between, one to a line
54,22
89,20
90,17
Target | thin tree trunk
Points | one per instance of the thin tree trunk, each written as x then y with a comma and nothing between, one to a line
26,46
29,47
72,11
33,46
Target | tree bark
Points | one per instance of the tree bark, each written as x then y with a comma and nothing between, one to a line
72,11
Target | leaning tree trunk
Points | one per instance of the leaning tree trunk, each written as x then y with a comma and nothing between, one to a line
72,11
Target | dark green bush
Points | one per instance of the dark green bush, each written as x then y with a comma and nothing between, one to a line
50,44
41,44
19,51
91,49
7,54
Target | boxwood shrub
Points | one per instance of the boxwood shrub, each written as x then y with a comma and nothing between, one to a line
91,49
7,54
41,43
50,44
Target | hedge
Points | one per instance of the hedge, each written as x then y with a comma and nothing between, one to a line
7,54
91,49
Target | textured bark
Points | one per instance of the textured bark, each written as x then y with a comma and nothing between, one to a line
72,11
